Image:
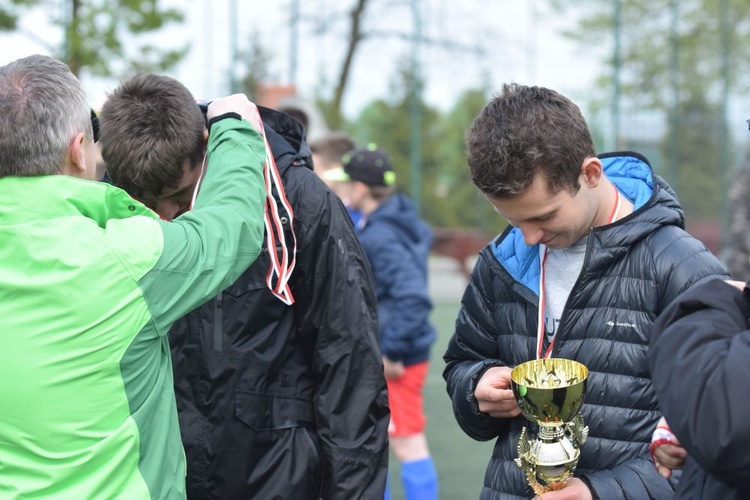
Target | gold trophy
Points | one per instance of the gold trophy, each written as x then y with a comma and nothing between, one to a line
550,393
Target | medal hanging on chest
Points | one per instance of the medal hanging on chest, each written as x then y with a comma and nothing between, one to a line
543,252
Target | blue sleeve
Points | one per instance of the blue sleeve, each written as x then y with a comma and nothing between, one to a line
403,301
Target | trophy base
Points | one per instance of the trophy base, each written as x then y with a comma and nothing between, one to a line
540,488
548,464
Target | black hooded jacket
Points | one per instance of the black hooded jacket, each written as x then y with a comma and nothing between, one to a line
278,401
632,270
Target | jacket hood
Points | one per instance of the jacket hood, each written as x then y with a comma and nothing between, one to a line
399,211
286,136
654,204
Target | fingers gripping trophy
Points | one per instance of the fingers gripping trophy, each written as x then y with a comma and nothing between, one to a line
550,393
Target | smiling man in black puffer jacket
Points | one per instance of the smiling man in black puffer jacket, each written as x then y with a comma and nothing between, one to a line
602,237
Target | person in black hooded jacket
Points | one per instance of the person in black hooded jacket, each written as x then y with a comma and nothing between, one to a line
280,386
700,347
602,239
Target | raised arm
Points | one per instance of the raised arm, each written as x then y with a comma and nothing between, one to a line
207,248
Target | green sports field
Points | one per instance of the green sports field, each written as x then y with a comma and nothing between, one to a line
460,460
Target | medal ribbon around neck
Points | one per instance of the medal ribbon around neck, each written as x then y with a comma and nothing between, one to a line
543,251
282,263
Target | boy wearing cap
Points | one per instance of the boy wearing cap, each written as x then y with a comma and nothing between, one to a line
397,243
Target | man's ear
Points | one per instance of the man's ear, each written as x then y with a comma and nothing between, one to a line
592,171
75,158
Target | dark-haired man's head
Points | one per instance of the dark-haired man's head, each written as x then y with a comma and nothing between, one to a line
153,140
530,152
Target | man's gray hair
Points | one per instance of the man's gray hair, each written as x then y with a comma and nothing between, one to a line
42,106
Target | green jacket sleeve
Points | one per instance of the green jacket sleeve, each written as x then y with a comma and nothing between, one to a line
208,248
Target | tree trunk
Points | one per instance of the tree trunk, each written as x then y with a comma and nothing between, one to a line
74,39
354,39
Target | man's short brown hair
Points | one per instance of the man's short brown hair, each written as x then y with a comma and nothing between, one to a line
151,127
523,132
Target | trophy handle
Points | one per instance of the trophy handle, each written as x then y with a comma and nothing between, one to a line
523,463
523,451
577,429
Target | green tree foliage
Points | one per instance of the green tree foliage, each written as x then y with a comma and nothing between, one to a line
9,13
107,37
387,125
697,178
672,61
255,66
648,59
462,203
449,199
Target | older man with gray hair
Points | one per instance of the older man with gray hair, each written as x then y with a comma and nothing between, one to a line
88,407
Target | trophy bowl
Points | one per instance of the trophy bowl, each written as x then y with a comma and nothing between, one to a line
550,393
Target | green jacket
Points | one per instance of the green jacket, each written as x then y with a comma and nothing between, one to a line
90,282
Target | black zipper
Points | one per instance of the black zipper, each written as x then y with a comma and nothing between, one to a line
218,324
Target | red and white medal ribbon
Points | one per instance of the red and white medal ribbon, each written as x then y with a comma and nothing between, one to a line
662,435
282,263
543,251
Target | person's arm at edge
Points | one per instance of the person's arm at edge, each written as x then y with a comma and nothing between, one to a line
699,362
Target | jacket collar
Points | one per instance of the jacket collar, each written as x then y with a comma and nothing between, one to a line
23,199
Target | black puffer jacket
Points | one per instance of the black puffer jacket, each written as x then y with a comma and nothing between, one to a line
277,401
700,361
633,268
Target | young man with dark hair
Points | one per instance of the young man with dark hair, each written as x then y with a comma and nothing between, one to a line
90,283
397,243
280,386
594,251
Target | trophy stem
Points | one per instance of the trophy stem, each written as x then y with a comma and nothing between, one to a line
551,434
